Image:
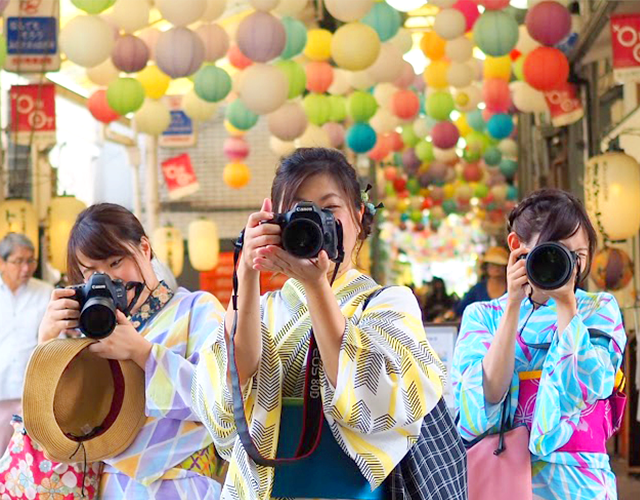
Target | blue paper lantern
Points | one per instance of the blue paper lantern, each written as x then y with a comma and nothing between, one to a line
492,156
512,193
361,137
296,37
496,33
384,19
508,168
500,126
212,84
475,120
240,116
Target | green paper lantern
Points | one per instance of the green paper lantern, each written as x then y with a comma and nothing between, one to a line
317,108
471,155
384,19
496,33
296,77
440,105
424,151
413,186
338,105
296,33
212,84
409,137
93,6
416,216
477,141
481,191
518,68
125,95
508,168
449,206
492,156
240,116
361,106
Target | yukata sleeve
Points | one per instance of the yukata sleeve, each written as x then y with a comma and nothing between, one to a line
476,415
579,369
170,368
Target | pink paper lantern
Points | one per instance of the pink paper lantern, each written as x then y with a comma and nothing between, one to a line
495,92
179,52
470,11
406,78
261,36
405,104
395,141
493,4
319,76
150,37
336,133
216,41
235,149
444,135
130,54
548,22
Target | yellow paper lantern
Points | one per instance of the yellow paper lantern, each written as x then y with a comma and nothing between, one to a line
449,191
318,46
463,126
203,244
168,247
233,131
154,81
19,216
62,216
435,75
152,118
497,67
612,194
197,109
236,175
355,46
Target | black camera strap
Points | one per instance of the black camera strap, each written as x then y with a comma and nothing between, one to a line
139,288
312,409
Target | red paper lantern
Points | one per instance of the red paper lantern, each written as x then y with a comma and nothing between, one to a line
99,107
545,68
472,173
495,92
444,135
470,11
319,76
405,104
395,139
237,58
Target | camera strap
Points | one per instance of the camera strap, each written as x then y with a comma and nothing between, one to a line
312,409
139,287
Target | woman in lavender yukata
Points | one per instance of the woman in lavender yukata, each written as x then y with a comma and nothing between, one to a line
173,456
556,355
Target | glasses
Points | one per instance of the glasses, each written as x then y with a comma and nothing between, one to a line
22,262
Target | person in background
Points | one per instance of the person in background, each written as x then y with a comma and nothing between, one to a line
493,282
23,301
438,305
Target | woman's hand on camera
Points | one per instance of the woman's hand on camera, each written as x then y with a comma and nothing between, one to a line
124,343
517,278
307,271
258,235
61,316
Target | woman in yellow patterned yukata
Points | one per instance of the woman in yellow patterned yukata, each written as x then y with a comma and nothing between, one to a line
378,376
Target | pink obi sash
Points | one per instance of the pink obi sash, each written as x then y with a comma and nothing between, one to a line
598,422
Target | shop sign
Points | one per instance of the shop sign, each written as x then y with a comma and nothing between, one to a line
564,105
625,45
181,133
31,30
179,176
33,113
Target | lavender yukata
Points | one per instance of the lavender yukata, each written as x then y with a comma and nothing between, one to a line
561,389
173,457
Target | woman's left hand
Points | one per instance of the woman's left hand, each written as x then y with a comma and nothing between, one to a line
123,343
272,258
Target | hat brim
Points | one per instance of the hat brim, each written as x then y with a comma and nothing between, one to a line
46,366
496,260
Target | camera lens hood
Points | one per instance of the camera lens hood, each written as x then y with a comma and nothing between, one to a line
303,238
550,266
98,317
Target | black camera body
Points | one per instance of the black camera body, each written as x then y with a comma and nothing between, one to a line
307,230
99,298
550,265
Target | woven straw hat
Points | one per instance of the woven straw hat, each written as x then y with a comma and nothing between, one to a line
496,255
74,399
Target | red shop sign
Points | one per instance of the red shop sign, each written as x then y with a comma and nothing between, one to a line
33,113
179,176
625,45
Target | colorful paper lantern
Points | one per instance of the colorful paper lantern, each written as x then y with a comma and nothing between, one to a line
355,46
318,108
496,32
518,68
215,8
496,95
261,37
472,173
154,82
102,74
212,84
476,121
125,95
546,68
492,156
470,12
313,137
497,67
168,247
407,76
348,11
150,37
450,24
410,162
237,58
459,49
240,116
384,19
409,137
361,106
493,4
508,148
62,216
468,98
336,133
319,76
389,64
423,126
152,118
403,40
424,151
361,80
264,5
508,168
384,122
500,126
281,148
445,135
203,244
19,216
236,175
89,6
181,13
435,75
439,105
99,107
381,150
338,108
288,122
179,52
290,7
235,149
130,54
548,22
432,45
296,37
318,46
612,269
263,88
296,77
361,138
130,15
87,40
405,104
198,109
526,99
340,84
460,75
215,40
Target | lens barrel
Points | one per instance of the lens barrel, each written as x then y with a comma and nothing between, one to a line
550,266
98,317
303,238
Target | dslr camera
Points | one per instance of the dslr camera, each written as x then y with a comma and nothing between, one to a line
99,298
550,265
307,230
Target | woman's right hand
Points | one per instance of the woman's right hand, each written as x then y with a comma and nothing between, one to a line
257,235
61,316
517,276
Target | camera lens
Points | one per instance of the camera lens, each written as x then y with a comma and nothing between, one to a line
98,317
302,238
549,266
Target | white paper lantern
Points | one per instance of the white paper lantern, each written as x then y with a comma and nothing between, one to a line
87,40
290,7
612,195
19,216
403,40
152,118
525,43
383,93
406,5
215,8
527,99
150,37
347,11
215,40
198,109
313,137
181,13
263,88
168,246
443,4
459,49
384,121
264,5
445,155
450,24
62,216
388,66
460,75
131,15
104,73
203,243
288,122
421,127
361,80
508,148
281,148
340,84
468,98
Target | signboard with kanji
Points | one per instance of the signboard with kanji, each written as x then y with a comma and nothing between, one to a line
33,113
31,30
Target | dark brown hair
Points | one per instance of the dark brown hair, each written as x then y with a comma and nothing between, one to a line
304,163
555,215
100,232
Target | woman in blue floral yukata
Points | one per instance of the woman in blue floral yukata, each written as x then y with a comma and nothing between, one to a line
555,354
173,456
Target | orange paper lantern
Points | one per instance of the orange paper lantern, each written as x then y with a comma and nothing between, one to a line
236,175
433,46
319,76
545,68
405,104
99,107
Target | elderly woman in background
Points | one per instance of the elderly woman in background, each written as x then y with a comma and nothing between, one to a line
23,301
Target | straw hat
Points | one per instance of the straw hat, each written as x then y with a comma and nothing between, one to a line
74,399
496,255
